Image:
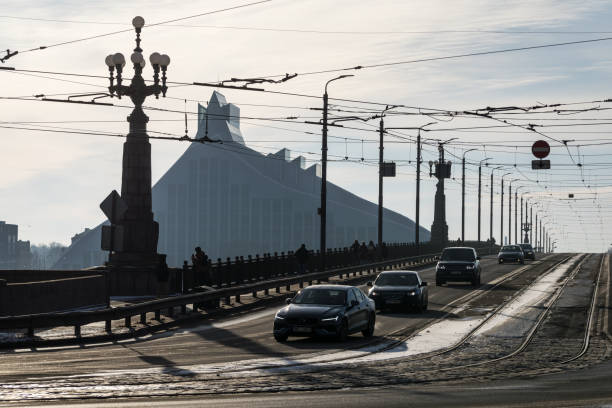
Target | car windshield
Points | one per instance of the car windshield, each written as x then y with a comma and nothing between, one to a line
458,254
526,247
320,297
396,279
511,248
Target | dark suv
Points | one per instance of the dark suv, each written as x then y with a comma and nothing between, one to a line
528,251
458,264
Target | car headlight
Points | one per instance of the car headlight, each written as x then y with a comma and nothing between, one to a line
331,319
469,267
373,293
280,316
441,267
412,293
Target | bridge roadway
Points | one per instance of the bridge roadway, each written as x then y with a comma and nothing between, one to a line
233,339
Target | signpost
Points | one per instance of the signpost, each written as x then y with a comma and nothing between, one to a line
114,208
540,149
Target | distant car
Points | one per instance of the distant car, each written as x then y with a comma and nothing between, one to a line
399,289
326,310
511,253
528,251
458,264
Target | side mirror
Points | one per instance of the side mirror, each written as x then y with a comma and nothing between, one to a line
369,283
288,301
423,283
354,303
478,258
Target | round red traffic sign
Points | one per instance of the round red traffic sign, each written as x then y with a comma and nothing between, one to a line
540,149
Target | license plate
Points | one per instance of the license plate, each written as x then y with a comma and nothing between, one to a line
456,273
302,330
394,301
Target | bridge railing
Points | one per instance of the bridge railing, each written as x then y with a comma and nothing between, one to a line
197,299
242,270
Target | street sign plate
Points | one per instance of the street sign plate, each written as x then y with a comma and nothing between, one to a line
388,169
114,207
540,149
540,164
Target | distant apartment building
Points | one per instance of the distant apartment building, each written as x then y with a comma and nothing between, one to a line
232,201
14,254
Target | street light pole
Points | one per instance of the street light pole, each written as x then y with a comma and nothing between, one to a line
463,194
510,211
479,192
380,180
417,227
501,242
139,230
531,225
323,208
491,209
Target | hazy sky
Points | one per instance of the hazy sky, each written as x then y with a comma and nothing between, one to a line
52,182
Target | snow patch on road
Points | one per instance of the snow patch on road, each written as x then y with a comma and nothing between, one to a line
521,312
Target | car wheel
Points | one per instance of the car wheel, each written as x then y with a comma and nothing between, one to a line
369,332
423,307
281,338
476,282
343,331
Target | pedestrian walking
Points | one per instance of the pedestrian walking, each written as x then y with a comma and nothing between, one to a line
371,251
199,261
301,255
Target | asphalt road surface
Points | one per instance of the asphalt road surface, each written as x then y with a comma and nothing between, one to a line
584,388
237,339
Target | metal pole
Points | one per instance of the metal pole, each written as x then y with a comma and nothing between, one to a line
517,238
491,211
536,231
510,213
463,199
479,191
323,183
501,233
531,225
380,186
418,194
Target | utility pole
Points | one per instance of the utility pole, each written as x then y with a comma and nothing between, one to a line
501,242
517,238
380,179
536,231
381,131
417,228
522,225
510,213
323,208
463,194
531,225
491,209
479,192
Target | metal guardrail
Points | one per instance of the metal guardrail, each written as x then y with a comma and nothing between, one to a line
80,318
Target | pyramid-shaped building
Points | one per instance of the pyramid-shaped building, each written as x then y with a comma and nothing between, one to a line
232,200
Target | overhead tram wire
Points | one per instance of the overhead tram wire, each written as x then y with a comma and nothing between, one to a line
317,31
44,47
456,56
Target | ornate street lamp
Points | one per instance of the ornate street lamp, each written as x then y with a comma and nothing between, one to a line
136,231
